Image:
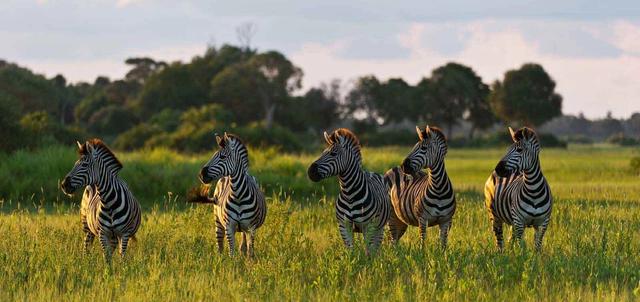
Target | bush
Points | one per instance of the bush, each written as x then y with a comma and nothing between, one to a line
39,129
579,139
195,133
495,139
136,137
111,120
622,140
386,138
548,140
256,135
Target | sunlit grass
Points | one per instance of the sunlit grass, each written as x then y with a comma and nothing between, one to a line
590,251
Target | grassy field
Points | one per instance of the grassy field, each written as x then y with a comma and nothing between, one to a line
591,252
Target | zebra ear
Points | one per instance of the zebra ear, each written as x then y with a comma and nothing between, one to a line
89,147
218,140
79,145
513,134
427,130
419,133
327,138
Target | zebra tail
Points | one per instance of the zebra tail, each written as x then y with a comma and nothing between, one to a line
196,195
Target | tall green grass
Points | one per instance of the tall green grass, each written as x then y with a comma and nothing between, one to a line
590,252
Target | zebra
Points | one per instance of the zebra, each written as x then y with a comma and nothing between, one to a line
239,203
517,193
363,204
421,198
108,209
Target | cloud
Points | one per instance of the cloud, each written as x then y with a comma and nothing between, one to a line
591,85
87,69
123,3
626,36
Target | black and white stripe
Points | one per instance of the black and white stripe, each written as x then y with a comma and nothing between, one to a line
421,198
239,203
517,193
363,203
108,210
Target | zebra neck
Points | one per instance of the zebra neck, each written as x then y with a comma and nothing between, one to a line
351,181
533,177
438,175
238,181
107,189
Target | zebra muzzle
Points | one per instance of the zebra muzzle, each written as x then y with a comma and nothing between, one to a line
204,176
66,186
314,174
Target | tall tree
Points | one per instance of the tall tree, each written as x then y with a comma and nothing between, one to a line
458,92
268,78
142,68
361,101
526,96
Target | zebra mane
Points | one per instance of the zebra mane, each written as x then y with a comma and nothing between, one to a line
436,132
242,146
98,144
525,133
346,134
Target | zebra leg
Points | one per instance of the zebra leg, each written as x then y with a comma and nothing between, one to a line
107,248
397,228
444,233
539,234
124,242
231,232
422,227
346,233
497,231
250,240
518,231
243,244
220,236
375,239
88,240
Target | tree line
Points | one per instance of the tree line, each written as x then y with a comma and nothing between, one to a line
258,95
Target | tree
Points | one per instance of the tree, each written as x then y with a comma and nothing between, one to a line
318,109
526,96
459,92
9,127
266,80
361,101
174,87
142,69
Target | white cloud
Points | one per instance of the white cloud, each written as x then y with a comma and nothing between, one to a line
589,85
76,70
626,36
123,3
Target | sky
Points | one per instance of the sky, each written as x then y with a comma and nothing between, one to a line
590,48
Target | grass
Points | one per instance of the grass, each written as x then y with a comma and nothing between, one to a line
590,253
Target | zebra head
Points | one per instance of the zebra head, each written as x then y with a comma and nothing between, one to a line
522,155
428,151
231,159
342,152
95,160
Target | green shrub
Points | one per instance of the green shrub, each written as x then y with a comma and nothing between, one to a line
386,138
548,140
256,135
39,129
622,140
579,139
111,120
136,137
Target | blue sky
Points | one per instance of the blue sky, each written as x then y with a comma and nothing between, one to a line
591,48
